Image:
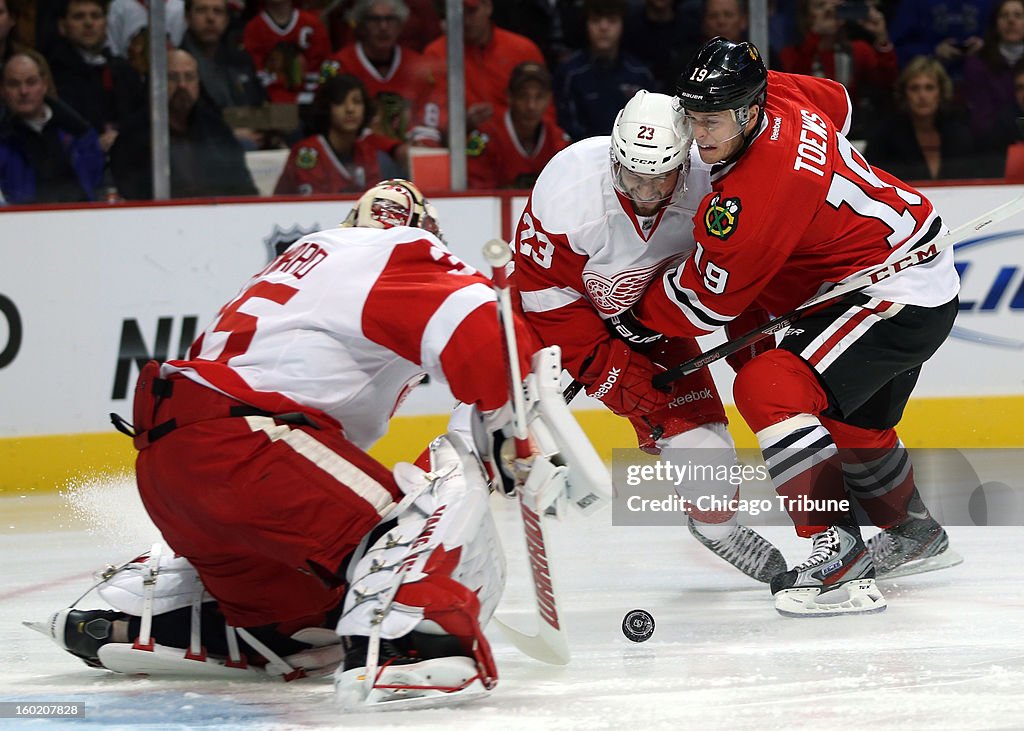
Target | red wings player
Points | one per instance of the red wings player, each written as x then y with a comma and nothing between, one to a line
252,464
793,209
605,215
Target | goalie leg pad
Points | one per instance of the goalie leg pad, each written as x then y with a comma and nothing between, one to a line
439,571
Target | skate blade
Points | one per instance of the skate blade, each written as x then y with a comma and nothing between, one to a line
440,682
853,597
946,559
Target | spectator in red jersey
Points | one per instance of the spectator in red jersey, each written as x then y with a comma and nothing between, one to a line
490,55
510,151
398,79
343,156
427,26
287,45
830,49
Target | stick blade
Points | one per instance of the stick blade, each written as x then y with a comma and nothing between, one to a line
548,645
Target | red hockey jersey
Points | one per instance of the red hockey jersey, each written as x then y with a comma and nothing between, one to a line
313,167
799,210
288,58
406,94
496,159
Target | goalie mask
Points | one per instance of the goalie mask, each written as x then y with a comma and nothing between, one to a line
392,203
650,146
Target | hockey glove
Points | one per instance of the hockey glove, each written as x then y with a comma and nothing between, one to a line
623,382
743,323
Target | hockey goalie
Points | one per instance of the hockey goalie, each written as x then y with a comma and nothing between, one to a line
290,552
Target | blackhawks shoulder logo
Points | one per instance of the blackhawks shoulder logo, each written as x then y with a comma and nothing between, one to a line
722,217
477,143
306,157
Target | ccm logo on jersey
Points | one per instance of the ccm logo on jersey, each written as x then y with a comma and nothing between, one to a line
810,153
604,388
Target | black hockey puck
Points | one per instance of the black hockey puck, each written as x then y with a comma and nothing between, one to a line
638,625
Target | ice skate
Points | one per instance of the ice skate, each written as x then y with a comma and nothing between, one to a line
745,549
916,545
837,578
419,670
81,632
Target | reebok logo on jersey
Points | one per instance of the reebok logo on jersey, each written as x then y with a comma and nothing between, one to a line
776,127
689,398
604,388
722,217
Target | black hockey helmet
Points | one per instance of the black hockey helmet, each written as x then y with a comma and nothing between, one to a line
723,76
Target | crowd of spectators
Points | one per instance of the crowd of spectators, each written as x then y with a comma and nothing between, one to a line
349,88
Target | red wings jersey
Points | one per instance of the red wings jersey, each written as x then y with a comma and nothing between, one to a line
326,328
405,94
313,167
303,30
496,159
800,209
582,255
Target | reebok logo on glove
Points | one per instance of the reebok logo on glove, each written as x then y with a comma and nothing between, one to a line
604,388
624,381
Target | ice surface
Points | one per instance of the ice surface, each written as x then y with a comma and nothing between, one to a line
948,653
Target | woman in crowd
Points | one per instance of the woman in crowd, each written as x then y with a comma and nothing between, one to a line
928,137
342,155
988,77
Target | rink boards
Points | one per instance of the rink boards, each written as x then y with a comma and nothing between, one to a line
86,294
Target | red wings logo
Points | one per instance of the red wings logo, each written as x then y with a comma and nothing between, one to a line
612,296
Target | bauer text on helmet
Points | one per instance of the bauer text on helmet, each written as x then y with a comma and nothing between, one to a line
650,145
716,93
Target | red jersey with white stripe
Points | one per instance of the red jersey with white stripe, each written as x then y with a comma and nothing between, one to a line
582,255
496,159
405,94
327,328
305,36
313,167
799,210
303,30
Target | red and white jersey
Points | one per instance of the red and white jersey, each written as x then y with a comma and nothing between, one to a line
582,255
327,328
496,159
313,167
406,94
303,30
799,210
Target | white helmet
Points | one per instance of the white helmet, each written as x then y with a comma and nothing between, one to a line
393,202
650,137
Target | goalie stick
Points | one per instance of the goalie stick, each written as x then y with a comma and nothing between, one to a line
550,644
853,286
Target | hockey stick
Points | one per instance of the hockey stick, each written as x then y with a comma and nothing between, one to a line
914,257
550,644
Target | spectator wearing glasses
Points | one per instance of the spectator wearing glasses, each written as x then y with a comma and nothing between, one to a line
398,79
